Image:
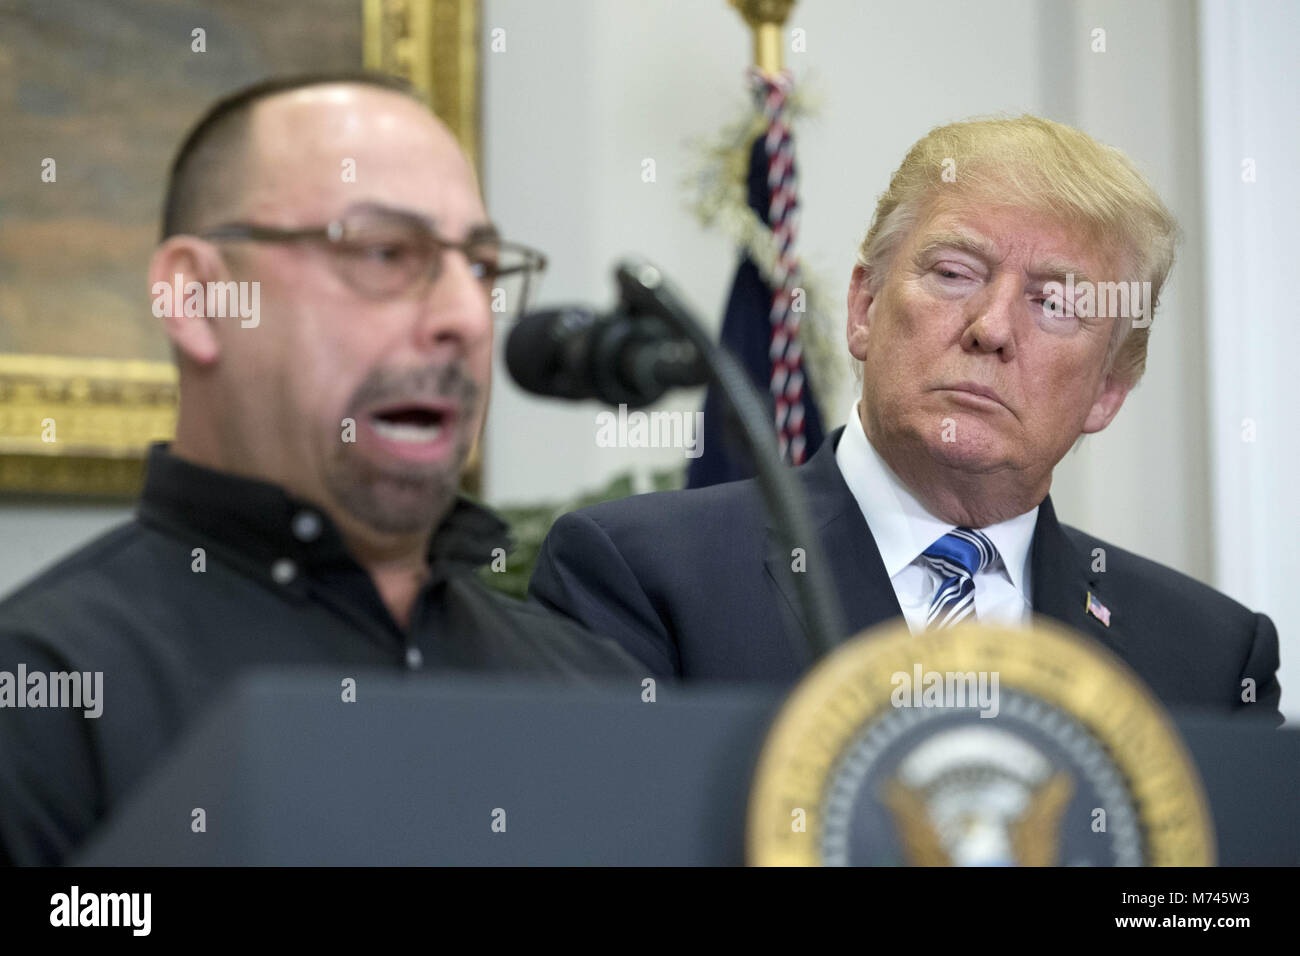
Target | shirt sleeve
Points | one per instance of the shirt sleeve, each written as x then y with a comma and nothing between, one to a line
48,777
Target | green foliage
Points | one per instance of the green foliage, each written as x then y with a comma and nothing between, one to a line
530,523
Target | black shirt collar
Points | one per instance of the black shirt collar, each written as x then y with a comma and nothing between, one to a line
260,523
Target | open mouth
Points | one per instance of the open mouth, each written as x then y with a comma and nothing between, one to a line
410,424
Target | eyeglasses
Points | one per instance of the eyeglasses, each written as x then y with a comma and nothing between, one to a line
384,253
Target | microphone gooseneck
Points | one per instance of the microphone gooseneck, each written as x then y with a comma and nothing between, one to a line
648,344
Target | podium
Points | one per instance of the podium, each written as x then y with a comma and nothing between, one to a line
475,771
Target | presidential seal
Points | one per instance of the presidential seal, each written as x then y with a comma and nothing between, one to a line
975,745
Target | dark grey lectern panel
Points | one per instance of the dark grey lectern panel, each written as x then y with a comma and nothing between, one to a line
1252,779
412,772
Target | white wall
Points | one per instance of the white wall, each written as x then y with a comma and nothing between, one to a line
581,95
1248,100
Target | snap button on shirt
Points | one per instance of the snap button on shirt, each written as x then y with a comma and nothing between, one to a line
306,526
284,571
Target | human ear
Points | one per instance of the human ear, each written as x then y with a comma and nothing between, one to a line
859,312
1107,404
176,264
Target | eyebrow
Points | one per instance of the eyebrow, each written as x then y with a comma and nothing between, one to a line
479,232
1058,269
977,246
484,232
984,250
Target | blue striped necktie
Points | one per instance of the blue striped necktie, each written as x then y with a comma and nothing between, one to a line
958,556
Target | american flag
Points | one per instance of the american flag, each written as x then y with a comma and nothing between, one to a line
1098,610
761,326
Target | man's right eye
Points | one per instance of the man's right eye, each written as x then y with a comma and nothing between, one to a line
378,253
945,272
385,252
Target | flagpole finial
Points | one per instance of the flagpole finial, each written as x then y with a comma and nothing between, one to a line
766,18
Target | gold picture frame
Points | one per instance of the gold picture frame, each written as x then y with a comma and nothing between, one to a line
72,426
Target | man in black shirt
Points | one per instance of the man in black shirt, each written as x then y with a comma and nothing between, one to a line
307,512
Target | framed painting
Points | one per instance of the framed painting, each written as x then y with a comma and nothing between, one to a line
95,97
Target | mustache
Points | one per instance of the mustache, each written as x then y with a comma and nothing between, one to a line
446,381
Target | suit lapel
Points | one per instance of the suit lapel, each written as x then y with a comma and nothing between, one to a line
856,568
1062,577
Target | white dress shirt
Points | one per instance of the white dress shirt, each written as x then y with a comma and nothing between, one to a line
903,529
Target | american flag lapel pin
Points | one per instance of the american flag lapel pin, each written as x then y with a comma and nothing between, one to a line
1097,609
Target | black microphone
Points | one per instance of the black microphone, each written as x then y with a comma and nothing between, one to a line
619,358
644,290
650,343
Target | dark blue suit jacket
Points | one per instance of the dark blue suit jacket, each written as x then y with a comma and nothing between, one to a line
695,585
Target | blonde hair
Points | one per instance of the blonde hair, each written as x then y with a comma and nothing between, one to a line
1045,167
